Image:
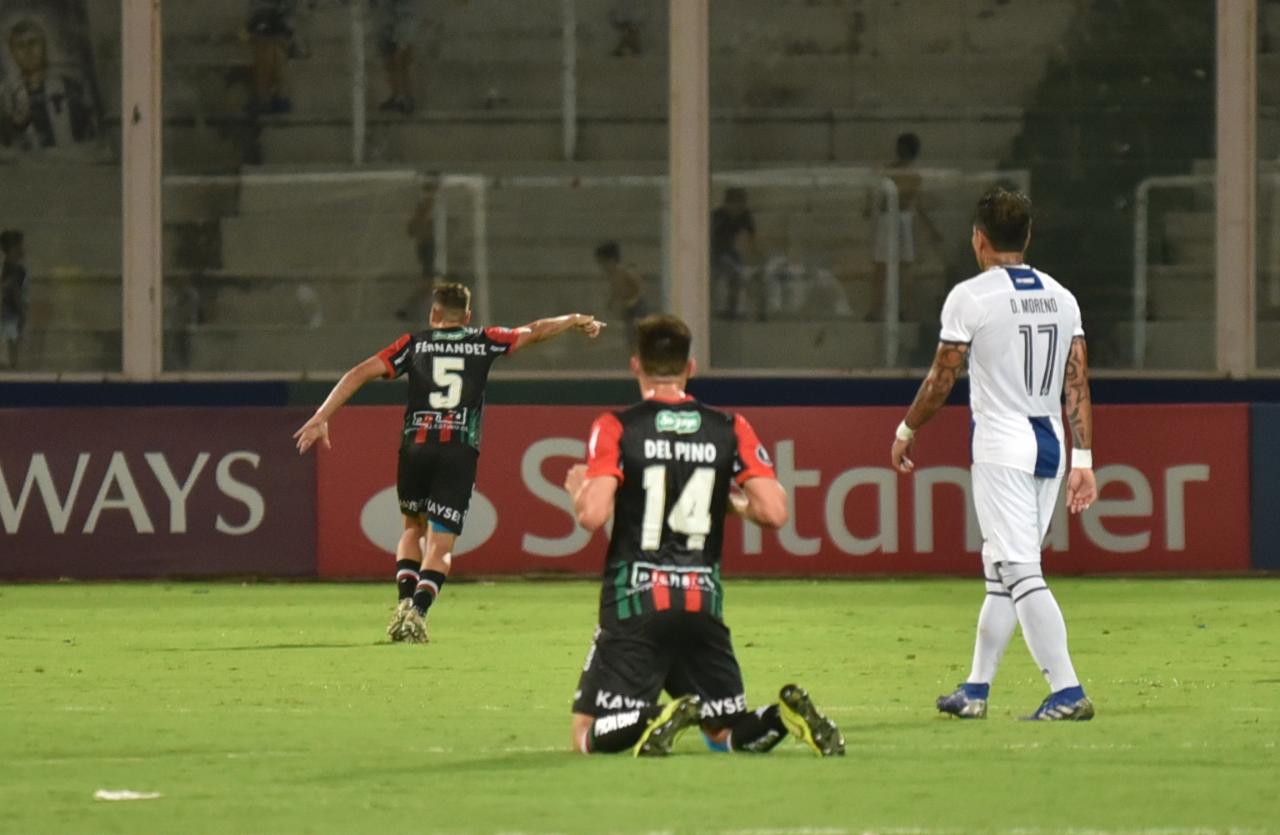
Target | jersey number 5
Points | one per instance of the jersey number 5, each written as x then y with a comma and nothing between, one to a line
444,373
1050,332
690,515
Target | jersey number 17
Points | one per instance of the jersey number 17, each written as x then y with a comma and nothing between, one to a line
1050,333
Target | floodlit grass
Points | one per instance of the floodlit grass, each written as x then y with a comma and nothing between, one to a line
279,708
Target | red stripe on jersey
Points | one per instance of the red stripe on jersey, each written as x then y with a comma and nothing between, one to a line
423,428
446,432
389,352
603,448
661,593
504,336
755,461
693,596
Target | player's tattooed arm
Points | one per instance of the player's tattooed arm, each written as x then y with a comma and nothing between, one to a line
1079,403
933,393
544,329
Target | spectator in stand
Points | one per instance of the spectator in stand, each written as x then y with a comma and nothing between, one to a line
422,229
270,28
13,295
908,180
733,250
398,22
42,109
628,18
626,288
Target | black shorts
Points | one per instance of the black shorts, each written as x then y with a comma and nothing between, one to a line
631,662
435,480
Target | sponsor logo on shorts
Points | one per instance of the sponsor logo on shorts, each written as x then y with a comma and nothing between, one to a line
614,701
605,724
681,423
730,706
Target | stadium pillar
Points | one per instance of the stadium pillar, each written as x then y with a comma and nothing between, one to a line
141,286
1236,186
689,171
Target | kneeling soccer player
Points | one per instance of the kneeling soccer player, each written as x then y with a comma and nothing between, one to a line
663,470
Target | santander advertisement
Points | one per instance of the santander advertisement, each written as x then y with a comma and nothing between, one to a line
1173,481
90,493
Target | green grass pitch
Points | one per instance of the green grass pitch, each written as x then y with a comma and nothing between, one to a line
278,708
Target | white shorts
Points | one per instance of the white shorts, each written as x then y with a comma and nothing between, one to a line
906,237
1014,510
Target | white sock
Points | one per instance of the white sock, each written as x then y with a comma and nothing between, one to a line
1046,634
995,627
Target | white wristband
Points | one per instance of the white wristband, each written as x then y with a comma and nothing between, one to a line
1082,459
904,432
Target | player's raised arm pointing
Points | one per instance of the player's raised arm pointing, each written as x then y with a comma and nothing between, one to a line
544,329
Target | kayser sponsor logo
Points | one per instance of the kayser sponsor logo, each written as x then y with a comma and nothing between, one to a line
76,499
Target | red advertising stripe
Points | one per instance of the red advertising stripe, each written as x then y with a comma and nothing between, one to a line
1166,506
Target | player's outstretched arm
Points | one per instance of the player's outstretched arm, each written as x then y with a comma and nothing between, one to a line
762,501
592,497
1082,487
933,393
544,329
317,428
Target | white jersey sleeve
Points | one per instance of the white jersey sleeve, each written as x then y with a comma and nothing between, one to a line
961,316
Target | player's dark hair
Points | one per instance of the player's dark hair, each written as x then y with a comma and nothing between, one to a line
1005,218
662,343
609,251
452,298
908,146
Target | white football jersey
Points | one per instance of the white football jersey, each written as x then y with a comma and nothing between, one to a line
1019,323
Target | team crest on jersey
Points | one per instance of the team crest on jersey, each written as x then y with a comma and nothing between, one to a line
681,423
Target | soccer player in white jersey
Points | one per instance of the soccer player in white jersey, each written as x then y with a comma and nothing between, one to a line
1021,333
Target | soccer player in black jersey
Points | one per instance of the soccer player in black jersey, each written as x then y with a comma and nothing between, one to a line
668,470
448,365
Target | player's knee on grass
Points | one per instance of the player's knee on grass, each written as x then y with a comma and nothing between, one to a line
613,732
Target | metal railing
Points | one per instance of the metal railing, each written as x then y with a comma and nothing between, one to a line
1141,243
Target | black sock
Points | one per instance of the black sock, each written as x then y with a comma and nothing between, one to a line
757,732
619,731
428,588
406,577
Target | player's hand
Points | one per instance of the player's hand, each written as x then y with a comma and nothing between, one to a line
589,325
575,478
738,503
312,431
1082,490
899,453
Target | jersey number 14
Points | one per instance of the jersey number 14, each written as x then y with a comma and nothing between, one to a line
690,515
